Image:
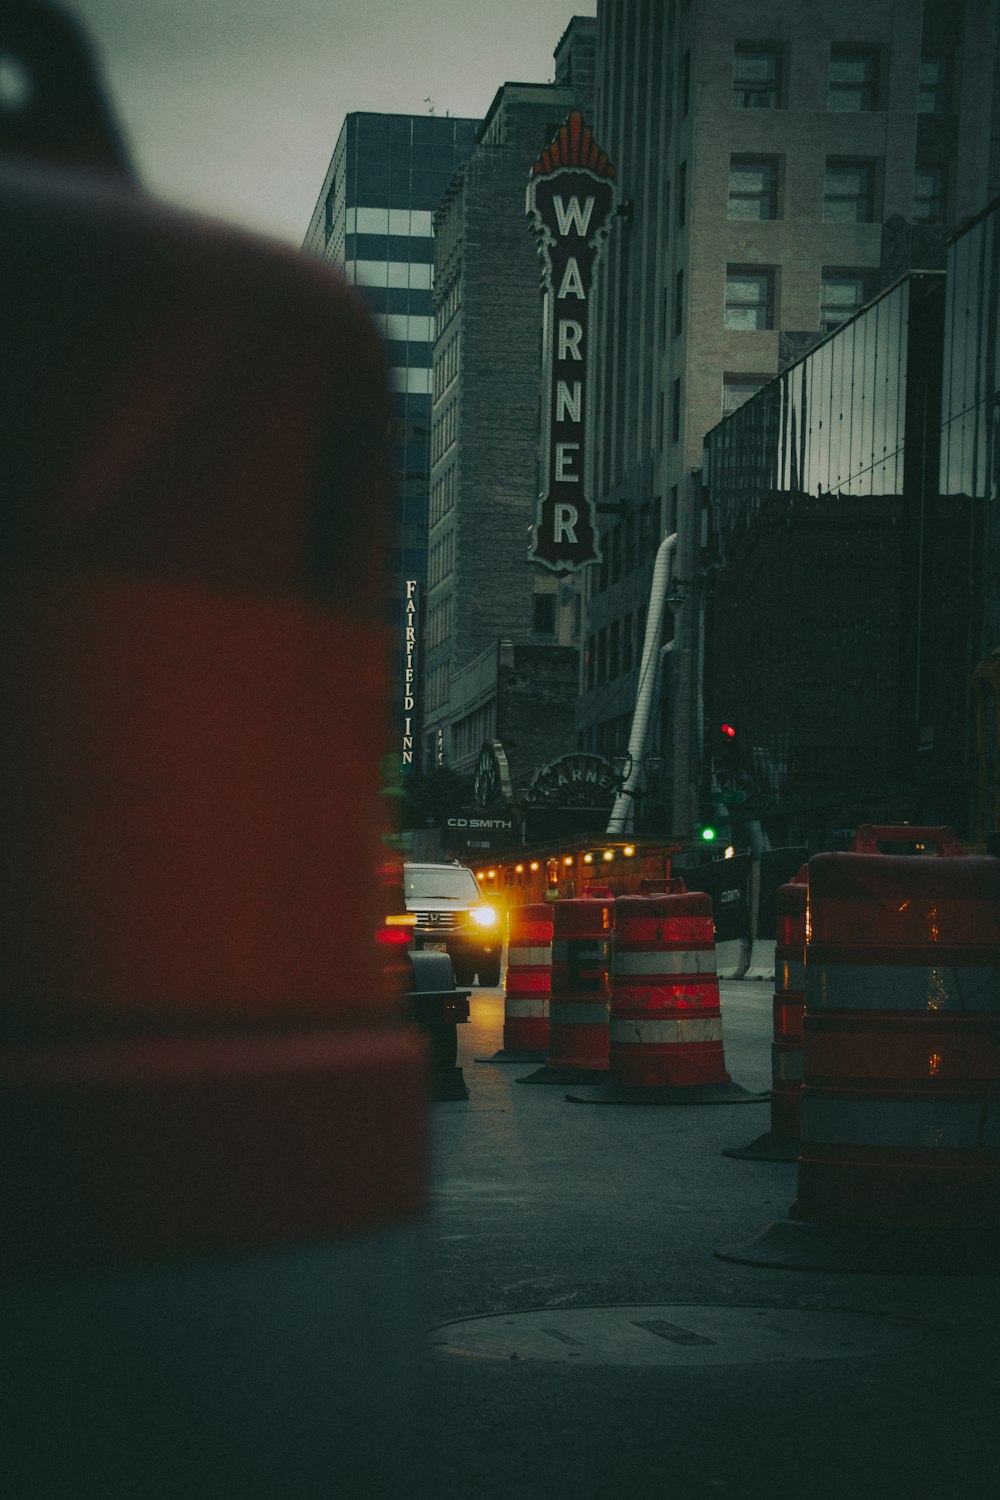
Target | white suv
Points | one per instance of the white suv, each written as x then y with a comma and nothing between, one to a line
453,916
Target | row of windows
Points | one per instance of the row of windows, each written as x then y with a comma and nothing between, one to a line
615,649
443,494
447,308
399,247
441,560
446,365
416,381
388,273
468,734
415,355
452,131
849,190
406,222
856,79
439,622
628,544
444,431
398,299
751,296
404,327
437,686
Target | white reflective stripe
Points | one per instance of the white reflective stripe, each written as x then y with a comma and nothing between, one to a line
649,1033
854,1122
524,958
787,1065
526,1008
569,1015
790,974
583,950
902,987
665,961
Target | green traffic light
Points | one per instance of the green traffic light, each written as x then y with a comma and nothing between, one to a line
708,834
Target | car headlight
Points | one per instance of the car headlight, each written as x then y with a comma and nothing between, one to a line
484,916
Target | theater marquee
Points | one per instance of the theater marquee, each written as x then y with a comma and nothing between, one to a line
571,200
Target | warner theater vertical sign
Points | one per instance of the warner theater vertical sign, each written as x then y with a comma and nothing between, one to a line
571,201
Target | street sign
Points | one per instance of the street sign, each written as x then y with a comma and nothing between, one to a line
733,798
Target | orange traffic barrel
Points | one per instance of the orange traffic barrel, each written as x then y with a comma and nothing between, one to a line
665,1027
781,1142
580,993
899,1163
213,1130
527,984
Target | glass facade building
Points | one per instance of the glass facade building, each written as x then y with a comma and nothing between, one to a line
840,607
970,412
373,221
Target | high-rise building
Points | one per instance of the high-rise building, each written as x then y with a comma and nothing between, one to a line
502,634
779,165
373,221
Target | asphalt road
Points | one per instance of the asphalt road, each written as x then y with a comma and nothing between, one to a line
644,1365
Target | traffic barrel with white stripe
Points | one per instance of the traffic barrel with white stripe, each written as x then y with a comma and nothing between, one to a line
665,1026
666,1021
899,1164
580,995
781,1142
527,983
901,1046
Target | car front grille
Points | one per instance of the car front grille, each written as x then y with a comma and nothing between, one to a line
439,921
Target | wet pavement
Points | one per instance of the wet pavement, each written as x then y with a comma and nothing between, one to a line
588,1341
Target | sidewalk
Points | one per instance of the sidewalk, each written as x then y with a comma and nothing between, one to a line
714,1378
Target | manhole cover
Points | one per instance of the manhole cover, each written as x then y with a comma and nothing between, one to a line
678,1334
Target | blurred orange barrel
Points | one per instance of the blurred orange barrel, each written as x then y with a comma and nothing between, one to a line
528,980
666,1022
212,1121
901,1068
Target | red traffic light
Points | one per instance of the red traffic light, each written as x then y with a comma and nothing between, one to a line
729,730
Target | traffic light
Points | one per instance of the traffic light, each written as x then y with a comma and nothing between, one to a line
728,744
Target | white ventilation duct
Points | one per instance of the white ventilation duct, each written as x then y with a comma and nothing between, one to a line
623,812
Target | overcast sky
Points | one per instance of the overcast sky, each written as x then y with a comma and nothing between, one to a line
233,107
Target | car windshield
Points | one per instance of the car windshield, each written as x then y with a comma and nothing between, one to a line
440,885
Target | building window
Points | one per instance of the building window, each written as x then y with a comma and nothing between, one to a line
930,195
602,657
616,552
749,297
329,208
614,635
590,661
545,614
736,389
675,411
685,83
627,638
853,80
757,76
753,187
934,94
678,303
849,191
628,560
841,294
682,175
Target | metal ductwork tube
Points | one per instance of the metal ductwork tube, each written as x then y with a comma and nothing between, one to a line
623,812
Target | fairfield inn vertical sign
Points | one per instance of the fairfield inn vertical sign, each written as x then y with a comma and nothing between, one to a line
571,200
